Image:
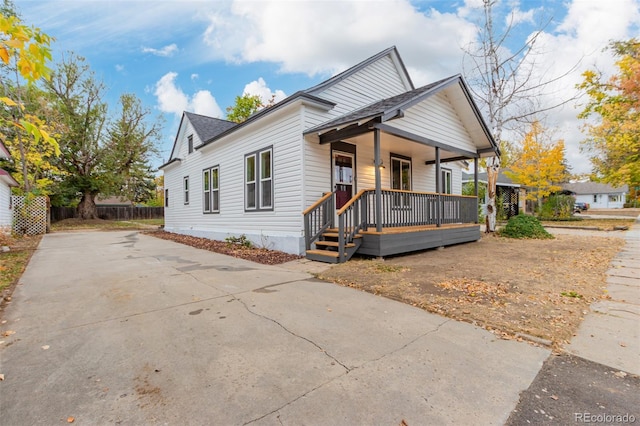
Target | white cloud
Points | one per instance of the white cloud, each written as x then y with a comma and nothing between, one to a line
119,67
166,51
194,76
204,103
259,87
327,37
578,43
519,16
173,100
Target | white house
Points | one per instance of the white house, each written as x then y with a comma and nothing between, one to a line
6,182
597,195
301,176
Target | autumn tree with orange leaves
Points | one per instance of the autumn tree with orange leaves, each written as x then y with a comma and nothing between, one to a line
540,164
614,110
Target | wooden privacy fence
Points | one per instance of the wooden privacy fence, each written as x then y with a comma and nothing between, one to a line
111,213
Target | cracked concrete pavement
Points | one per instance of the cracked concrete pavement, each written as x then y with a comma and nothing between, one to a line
123,328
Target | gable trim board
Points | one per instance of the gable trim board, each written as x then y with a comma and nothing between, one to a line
302,161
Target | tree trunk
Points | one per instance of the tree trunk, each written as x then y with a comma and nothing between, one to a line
87,207
492,180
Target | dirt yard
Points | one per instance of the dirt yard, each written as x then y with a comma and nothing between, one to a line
539,288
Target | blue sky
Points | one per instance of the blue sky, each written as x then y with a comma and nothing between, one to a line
198,55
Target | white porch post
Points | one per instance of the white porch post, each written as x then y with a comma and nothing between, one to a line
376,156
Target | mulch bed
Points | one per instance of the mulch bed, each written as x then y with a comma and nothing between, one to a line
254,254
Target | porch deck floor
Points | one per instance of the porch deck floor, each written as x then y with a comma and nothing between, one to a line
417,228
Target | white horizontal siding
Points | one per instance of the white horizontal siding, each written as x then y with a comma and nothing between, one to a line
436,119
377,81
283,132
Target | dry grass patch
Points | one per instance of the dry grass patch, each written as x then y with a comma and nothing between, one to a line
541,288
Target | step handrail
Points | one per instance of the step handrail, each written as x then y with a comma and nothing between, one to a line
318,218
352,218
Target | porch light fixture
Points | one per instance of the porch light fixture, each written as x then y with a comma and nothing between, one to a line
381,165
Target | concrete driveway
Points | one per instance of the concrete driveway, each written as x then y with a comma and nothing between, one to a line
123,328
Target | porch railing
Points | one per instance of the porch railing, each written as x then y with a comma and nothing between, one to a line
406,208
318,218
399,208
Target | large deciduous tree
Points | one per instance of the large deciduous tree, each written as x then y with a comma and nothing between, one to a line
540,164
614,136
98,155
506,82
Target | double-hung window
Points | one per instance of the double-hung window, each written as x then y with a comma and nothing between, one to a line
185,181
401,173
258,180
190,143
166,197
211,189
401,179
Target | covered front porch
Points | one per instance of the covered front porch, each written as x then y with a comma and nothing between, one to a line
417,133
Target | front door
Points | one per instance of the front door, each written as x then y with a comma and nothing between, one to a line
343,174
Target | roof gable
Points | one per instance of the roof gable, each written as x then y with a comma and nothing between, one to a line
384,108
392,108
392,52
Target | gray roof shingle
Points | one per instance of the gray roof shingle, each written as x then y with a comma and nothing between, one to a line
208,127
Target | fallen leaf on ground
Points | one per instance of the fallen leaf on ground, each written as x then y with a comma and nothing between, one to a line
70,419
45,347
8,333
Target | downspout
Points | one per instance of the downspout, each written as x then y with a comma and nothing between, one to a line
376,156
438,190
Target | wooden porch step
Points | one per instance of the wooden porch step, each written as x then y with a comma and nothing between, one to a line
335,234
333,244
323,256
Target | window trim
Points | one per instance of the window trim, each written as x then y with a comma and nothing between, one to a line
401,158
258,180
185,189
209,193
448,172
190,143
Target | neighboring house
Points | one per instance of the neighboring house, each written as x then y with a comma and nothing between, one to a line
6,182
316,152
512,196
597,195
